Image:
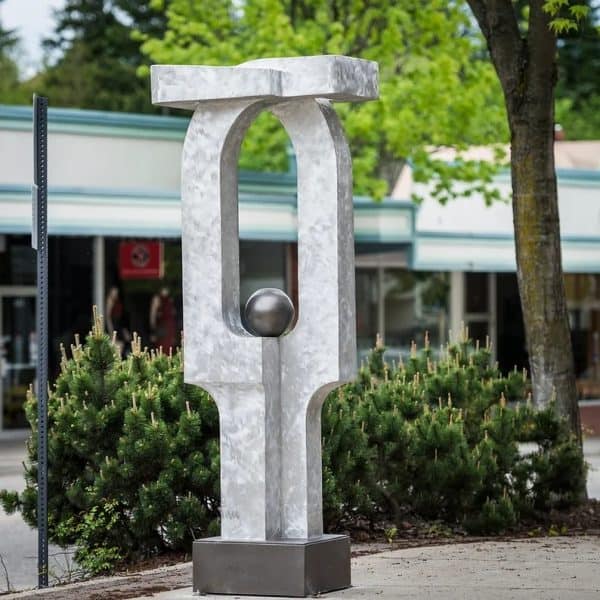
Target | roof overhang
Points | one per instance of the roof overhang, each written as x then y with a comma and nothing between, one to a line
125,213
435,251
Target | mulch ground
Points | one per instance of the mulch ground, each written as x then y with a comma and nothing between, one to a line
412,532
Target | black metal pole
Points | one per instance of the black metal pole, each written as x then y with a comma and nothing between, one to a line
40,242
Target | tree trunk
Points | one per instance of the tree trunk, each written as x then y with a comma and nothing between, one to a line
539,261
526,67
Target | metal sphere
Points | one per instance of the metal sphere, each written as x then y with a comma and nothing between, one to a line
268,312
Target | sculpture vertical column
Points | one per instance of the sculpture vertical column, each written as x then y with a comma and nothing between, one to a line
320,353
240,371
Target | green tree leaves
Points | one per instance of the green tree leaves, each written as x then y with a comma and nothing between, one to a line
94,57
566,14
437,88
11,91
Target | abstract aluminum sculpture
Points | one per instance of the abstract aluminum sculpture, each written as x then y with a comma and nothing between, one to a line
269,390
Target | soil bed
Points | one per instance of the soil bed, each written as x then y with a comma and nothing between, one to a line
413,532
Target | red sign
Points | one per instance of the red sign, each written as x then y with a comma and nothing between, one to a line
141,260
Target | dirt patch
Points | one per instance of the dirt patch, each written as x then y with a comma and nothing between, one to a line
413,532
154,562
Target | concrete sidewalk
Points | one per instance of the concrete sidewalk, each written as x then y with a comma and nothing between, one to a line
538,569
18,542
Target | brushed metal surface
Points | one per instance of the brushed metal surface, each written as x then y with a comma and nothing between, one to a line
269,390
288,568
339,78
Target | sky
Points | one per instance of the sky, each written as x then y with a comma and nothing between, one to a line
33,21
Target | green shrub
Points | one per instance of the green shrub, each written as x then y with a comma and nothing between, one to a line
134,453
439,437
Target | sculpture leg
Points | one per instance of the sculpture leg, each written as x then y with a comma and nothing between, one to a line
249,418
302,469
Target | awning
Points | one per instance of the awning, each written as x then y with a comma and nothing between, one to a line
119,213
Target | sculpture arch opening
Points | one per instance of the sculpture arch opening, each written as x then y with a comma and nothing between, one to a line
268,251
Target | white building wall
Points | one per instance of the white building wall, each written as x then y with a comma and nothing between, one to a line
579,205
466,234
98,161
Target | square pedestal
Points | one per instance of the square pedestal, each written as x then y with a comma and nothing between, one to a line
273,568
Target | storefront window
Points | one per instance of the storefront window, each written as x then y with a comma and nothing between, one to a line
415,304
583,302
262,264
402,306
151,305
69,311
18,355
480,296
148,303
70,285
366,308
476,293
17,260
511,346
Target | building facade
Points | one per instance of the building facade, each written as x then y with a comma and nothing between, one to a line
114,225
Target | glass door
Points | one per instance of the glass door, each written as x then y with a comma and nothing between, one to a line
18,353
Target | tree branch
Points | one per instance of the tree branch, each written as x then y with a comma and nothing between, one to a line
498,23
479,9
542,49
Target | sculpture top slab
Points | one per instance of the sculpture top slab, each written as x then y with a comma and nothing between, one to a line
337,78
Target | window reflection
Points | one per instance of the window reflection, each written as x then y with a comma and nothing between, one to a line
366,308
583,302
415,303
402,306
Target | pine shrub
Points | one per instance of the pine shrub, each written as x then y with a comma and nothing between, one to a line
439,437
133,455
134,452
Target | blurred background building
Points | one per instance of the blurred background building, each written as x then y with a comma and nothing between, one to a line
114,223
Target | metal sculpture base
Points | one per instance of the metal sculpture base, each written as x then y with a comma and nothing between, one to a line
295,568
